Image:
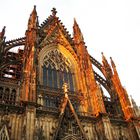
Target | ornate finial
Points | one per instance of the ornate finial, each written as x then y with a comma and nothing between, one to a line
34,10
54,11
103,57
75,22
34,7
65,87
78,36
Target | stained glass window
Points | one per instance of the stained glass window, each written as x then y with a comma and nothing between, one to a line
55,78
60,79
56,70
50,76
44,75
71,81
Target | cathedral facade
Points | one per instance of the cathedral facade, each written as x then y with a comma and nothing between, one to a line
51,91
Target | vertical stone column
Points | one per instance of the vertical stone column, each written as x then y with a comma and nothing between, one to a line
107,128
17,127
18,93
47,127
13,126
30,122
20,127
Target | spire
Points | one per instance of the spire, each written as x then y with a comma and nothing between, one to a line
101,89
104,60
78,36
114,68
2,33
33,20
34,11
75,22
106,67
113,64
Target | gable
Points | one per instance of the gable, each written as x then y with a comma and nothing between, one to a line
51,24
69,125
56,37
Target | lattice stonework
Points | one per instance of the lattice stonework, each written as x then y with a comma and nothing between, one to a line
57,70
57,61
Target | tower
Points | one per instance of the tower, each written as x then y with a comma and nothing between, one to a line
50,90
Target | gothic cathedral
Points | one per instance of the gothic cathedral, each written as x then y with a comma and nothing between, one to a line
50,90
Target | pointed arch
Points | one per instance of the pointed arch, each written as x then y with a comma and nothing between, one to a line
7,95
13,96
1,93
63,64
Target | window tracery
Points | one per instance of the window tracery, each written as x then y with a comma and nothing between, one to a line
57,70
7,95
57,61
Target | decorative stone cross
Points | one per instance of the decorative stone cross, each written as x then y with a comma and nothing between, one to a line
54,11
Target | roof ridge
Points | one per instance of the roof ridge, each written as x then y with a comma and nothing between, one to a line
69,37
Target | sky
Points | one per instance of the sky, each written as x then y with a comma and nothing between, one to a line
108,26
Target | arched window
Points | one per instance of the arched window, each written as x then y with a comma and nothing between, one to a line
44,75
6,95
13,96
1,93
50,76
54,73
70,75
57,70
